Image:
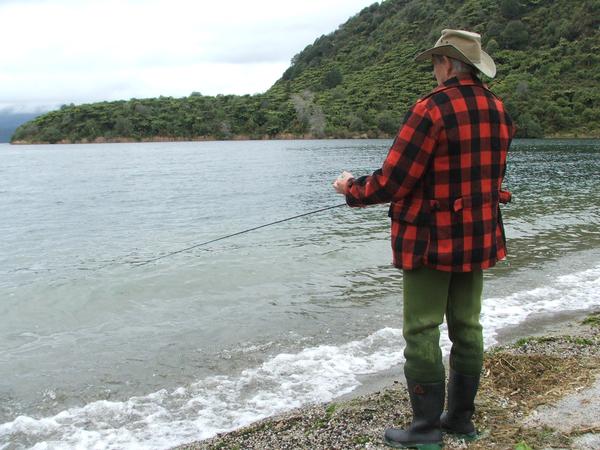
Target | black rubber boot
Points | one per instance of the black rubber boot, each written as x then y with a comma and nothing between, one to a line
461,406
427,401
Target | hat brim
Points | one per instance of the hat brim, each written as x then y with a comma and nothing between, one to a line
486,65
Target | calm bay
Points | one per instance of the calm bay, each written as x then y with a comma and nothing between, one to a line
96,349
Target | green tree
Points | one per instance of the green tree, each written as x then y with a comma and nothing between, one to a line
51,134
511,9
494,29
492,47
123,126
356,124
387,123
332,78
529,127
515,36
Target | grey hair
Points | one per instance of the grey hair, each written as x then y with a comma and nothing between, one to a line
459,66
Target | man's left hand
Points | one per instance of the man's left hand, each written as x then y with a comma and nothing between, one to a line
341,183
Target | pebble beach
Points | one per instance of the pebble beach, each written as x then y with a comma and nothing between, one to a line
539,391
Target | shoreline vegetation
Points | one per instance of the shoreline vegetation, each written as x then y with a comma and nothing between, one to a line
541,391
360,80
241,138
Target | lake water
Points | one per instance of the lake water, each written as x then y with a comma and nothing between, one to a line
97,351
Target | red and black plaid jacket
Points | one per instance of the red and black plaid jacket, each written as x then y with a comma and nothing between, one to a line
443,177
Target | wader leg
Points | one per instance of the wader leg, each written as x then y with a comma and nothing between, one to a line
466,357
464,329
425,299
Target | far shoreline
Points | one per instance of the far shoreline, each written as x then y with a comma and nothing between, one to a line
234,138
280,137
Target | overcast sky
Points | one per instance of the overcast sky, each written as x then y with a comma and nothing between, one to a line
62,51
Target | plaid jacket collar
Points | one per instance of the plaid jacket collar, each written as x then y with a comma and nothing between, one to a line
462,79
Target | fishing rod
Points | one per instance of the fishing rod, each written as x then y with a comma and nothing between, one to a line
238,233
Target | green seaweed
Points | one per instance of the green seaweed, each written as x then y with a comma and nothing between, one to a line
592,320
330,410
361,440
522,446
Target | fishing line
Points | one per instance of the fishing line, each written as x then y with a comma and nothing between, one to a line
237,234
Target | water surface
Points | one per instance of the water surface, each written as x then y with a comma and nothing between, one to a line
96,349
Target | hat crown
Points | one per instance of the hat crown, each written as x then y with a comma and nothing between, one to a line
464,46
468,43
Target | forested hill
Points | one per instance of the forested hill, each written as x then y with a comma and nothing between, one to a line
360,79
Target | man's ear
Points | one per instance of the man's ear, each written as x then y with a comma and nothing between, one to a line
447,64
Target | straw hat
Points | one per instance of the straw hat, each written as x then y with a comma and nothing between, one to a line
464,46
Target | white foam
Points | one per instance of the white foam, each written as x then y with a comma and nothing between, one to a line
201,410
578,291
317,374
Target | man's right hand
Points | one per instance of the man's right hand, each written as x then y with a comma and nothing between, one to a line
341,183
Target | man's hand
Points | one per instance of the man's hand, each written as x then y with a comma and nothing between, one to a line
341,183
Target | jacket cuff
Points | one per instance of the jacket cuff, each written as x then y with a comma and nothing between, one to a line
350,199
505,196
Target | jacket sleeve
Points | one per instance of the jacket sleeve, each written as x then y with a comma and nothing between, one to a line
404,165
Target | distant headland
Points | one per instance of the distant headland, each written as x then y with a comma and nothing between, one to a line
359,80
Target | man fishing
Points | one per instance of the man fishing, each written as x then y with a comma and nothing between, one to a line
443,177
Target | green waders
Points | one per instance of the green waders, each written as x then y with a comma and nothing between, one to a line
428,295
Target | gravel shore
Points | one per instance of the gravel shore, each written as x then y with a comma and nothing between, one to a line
525,385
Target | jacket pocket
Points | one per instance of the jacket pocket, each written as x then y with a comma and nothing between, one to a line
412,210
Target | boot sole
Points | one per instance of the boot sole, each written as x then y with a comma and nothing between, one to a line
466,437
430,446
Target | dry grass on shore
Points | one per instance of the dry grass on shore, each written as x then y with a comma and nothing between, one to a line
516,380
